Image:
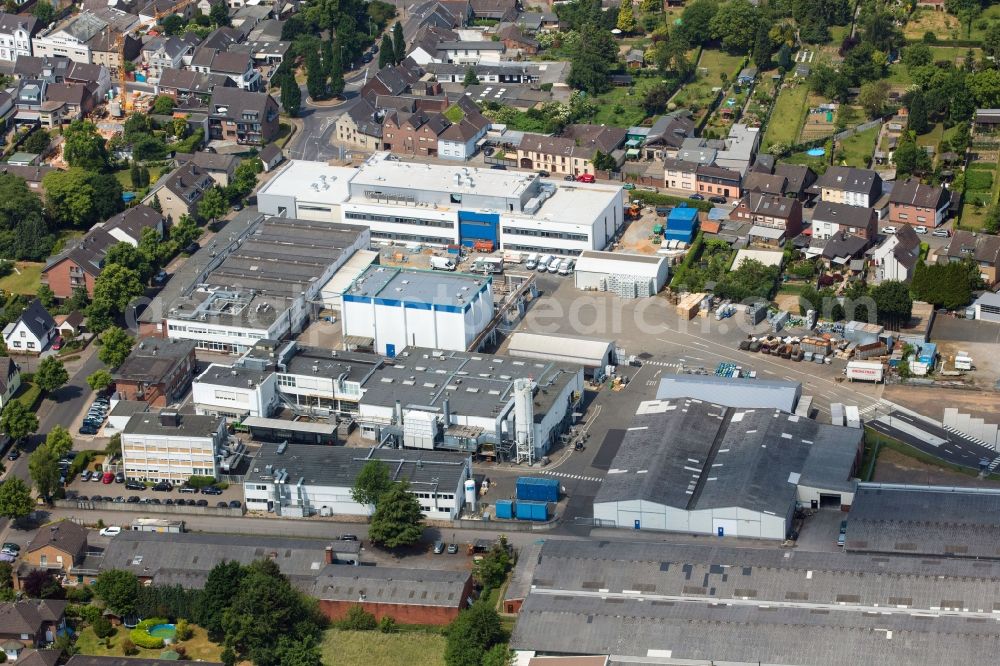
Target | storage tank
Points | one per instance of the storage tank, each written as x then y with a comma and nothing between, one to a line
504,509
470,494
537,489
524,419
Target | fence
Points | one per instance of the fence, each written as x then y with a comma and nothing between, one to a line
171,509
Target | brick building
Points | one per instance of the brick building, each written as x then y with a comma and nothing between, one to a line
409,596
158,371
56,547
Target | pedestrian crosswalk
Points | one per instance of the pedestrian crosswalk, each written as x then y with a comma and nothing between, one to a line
566,475
868,410
662,364
969,437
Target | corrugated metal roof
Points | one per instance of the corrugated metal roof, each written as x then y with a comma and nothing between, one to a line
586,351
620,264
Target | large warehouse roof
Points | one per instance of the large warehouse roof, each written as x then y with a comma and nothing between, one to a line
929,521
750,605
616,263
417,286
567,348
392,585
314,182
732,392
694,455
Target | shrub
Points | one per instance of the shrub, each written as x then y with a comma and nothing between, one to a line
102,627
141,636
978,180
200,481
128,648
79,594
184,630
357,619
387,625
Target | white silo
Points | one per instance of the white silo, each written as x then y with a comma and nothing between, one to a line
470,495
524,420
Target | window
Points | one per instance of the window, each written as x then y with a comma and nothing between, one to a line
286,380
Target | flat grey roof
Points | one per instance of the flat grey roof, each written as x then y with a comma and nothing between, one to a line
191,425
927,521
732,392
692,455
338,466
741,605
298,426
416,286
233,376
354,366
393,585
153,359
474,384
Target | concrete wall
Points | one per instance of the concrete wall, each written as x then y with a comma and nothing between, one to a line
174,511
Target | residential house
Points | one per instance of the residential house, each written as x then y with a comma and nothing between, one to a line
31,622
264,51
91,37
413,134
717,181
504,72
764,183
179,192
16,31
573,152
460,139
840,250
739,148
773,218
81,262
238,66
188,84
66,102
271,156
96,77
51,69
248,17
392,81
243,116
897,256
221,39
163,53
158,371
470,53
442,13
70,325
219,166
7,109
360,127
912,202
32,175
29,98
850,186
516,42
798,179
832,219
32,332
983,249
680,175
10,380
149,12
423,48
16,652
667,134
494,10
55,547
635,59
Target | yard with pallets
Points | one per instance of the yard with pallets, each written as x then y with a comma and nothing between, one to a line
786,118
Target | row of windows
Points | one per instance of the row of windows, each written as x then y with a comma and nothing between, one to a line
371,217
545,234
410,238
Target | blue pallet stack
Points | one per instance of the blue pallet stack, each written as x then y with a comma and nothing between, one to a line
530,510
505,509
537,489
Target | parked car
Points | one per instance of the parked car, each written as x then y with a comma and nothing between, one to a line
697,197
107,478
452,548
97,477
888,231
543,263
499,167
85,475
135,485
235,504
554,263
543,173
14,454
569,176
920,230
211,490
238,206
718,200
941,233
160,277
120,477
192,247
133,499
187,489
201,502
348,537
163,487
58,343
566,267
841,539
438,547
626,186
10,548
586,178
366,58
111,531
531,263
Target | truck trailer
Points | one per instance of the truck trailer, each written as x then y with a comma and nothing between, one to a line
867,371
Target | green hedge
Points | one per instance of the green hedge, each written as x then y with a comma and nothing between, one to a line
141,636
81,461
982,166
30,395
655,199
978,180
693,254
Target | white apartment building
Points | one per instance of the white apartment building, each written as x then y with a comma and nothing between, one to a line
15,35
170,446
77,36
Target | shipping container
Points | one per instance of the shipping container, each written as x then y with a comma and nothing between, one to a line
869,371
529,510
504,509
537,489
853,416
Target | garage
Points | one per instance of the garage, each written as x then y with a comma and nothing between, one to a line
625,275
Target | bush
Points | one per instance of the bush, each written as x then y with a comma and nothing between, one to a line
141,636
656,199
80,463
30,396
387,625
128,648
357,619
978,180
184,630
200,481
79,594
102,627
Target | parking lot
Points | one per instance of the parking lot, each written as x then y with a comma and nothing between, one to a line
118,492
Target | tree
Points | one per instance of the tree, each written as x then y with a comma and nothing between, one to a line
589,63
155,204
222,580
372,483
696,20
115,288
315,76
873,97
213,204
100,380
656,99
7,580
129,256
119,589
17,420
626,17
910,158
37,141
472,634
219,14
918,114
24,232
604,161
735,25
386,52
44,12
15,501
470,77
81,197
42,584
763,47
991,41
498,655
102,627
398,520
51,374
893,304
43,467
917,55
785,63
491,571
116,345
398,43
291,95
335,70
173,24
59,441
358,619
163,105
84,147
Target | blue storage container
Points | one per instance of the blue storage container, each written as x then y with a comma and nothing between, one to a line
537,489
528,510
504,509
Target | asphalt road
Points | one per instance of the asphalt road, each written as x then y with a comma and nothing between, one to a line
933,440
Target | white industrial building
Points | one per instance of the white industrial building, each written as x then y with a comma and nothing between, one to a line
439,205
234,392
265,282
397,308
626,275
306,191
173,447
512,408
688,465
298,480
594,355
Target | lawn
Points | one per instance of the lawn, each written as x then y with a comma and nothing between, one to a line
717,63
786,119
198,648
899,75
371,648
622,105
932,138
124,177
24,280
858,149
943,25
454,114
972,218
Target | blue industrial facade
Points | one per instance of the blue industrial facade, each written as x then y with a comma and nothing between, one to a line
478,226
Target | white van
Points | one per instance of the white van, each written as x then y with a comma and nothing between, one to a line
442,264
566,267
531,262
554,264
543,263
